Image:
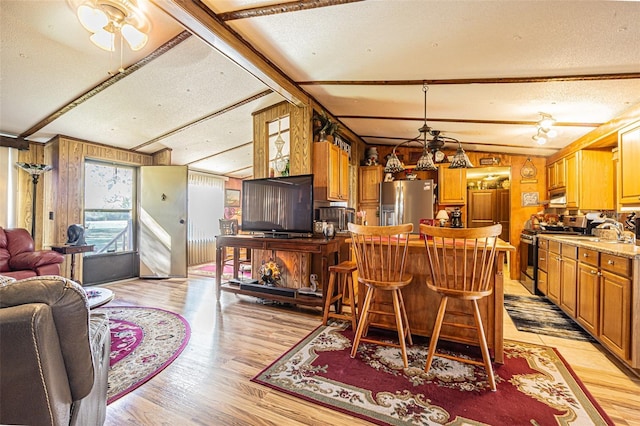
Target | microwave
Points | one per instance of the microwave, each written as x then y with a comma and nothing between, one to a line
340,216
558,198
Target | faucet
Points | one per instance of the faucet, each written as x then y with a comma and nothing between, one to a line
613,224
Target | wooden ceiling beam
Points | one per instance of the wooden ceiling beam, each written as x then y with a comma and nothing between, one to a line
463,120
495,80
17,142
279,8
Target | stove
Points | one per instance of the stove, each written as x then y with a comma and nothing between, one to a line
572,225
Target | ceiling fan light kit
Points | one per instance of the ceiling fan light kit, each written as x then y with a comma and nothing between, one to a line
432,153
107,18
545,130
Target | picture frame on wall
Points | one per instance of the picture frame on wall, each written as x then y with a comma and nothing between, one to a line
232,198
530,199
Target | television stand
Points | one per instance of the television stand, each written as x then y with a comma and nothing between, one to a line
283,235
328,250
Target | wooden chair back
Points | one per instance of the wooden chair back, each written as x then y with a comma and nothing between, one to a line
381,253
461,259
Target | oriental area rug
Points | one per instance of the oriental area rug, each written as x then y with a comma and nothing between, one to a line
534,385
536,314
144,341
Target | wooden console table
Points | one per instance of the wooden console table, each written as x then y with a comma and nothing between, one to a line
72,250
328,250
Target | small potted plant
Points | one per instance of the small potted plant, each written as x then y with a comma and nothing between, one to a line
323,127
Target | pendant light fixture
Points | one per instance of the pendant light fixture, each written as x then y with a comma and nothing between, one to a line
432,153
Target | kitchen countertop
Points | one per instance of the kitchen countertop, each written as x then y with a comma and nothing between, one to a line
605,246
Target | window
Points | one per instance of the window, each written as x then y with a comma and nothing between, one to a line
109,198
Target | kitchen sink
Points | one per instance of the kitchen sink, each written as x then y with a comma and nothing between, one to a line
600,240
593,239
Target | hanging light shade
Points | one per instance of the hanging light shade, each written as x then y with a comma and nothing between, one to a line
104,39
107,18
393,163
425,162
460,160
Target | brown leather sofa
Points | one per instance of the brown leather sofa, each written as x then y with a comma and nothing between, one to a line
19,260
54,356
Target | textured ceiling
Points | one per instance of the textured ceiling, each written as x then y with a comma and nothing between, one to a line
364,62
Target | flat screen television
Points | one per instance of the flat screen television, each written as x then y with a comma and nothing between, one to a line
278,207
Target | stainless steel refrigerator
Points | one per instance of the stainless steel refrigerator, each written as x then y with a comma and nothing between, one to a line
406,201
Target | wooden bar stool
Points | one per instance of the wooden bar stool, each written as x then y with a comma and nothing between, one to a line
461,263
381,253
343,273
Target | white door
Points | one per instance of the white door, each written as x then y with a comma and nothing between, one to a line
163,221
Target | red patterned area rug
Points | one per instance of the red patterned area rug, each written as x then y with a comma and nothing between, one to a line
144,341
535,385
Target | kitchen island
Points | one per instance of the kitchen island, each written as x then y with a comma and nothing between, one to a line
422,303
597,283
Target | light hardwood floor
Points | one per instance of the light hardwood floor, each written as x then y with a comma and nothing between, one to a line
234,339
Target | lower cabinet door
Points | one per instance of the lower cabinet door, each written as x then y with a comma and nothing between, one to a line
553,274
615,314
588,297
542,282
568,286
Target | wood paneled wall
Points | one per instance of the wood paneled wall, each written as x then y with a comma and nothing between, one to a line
300,137
64,185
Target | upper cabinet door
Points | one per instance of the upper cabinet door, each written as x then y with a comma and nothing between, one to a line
452,185
629,154
369,181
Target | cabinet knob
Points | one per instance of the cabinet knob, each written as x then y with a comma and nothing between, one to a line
610,262
585,254
593,272
542,258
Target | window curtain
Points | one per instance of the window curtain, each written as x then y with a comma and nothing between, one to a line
8,187
206,207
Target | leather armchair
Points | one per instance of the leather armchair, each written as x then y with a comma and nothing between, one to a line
18,259
54,357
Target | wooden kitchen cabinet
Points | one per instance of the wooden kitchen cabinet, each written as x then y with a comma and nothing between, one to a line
629,171
556,176
615,314
331,172
542,284
452,185
369,178
588,308
554,262
568,279
590,180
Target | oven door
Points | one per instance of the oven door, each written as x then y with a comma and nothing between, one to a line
528,262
